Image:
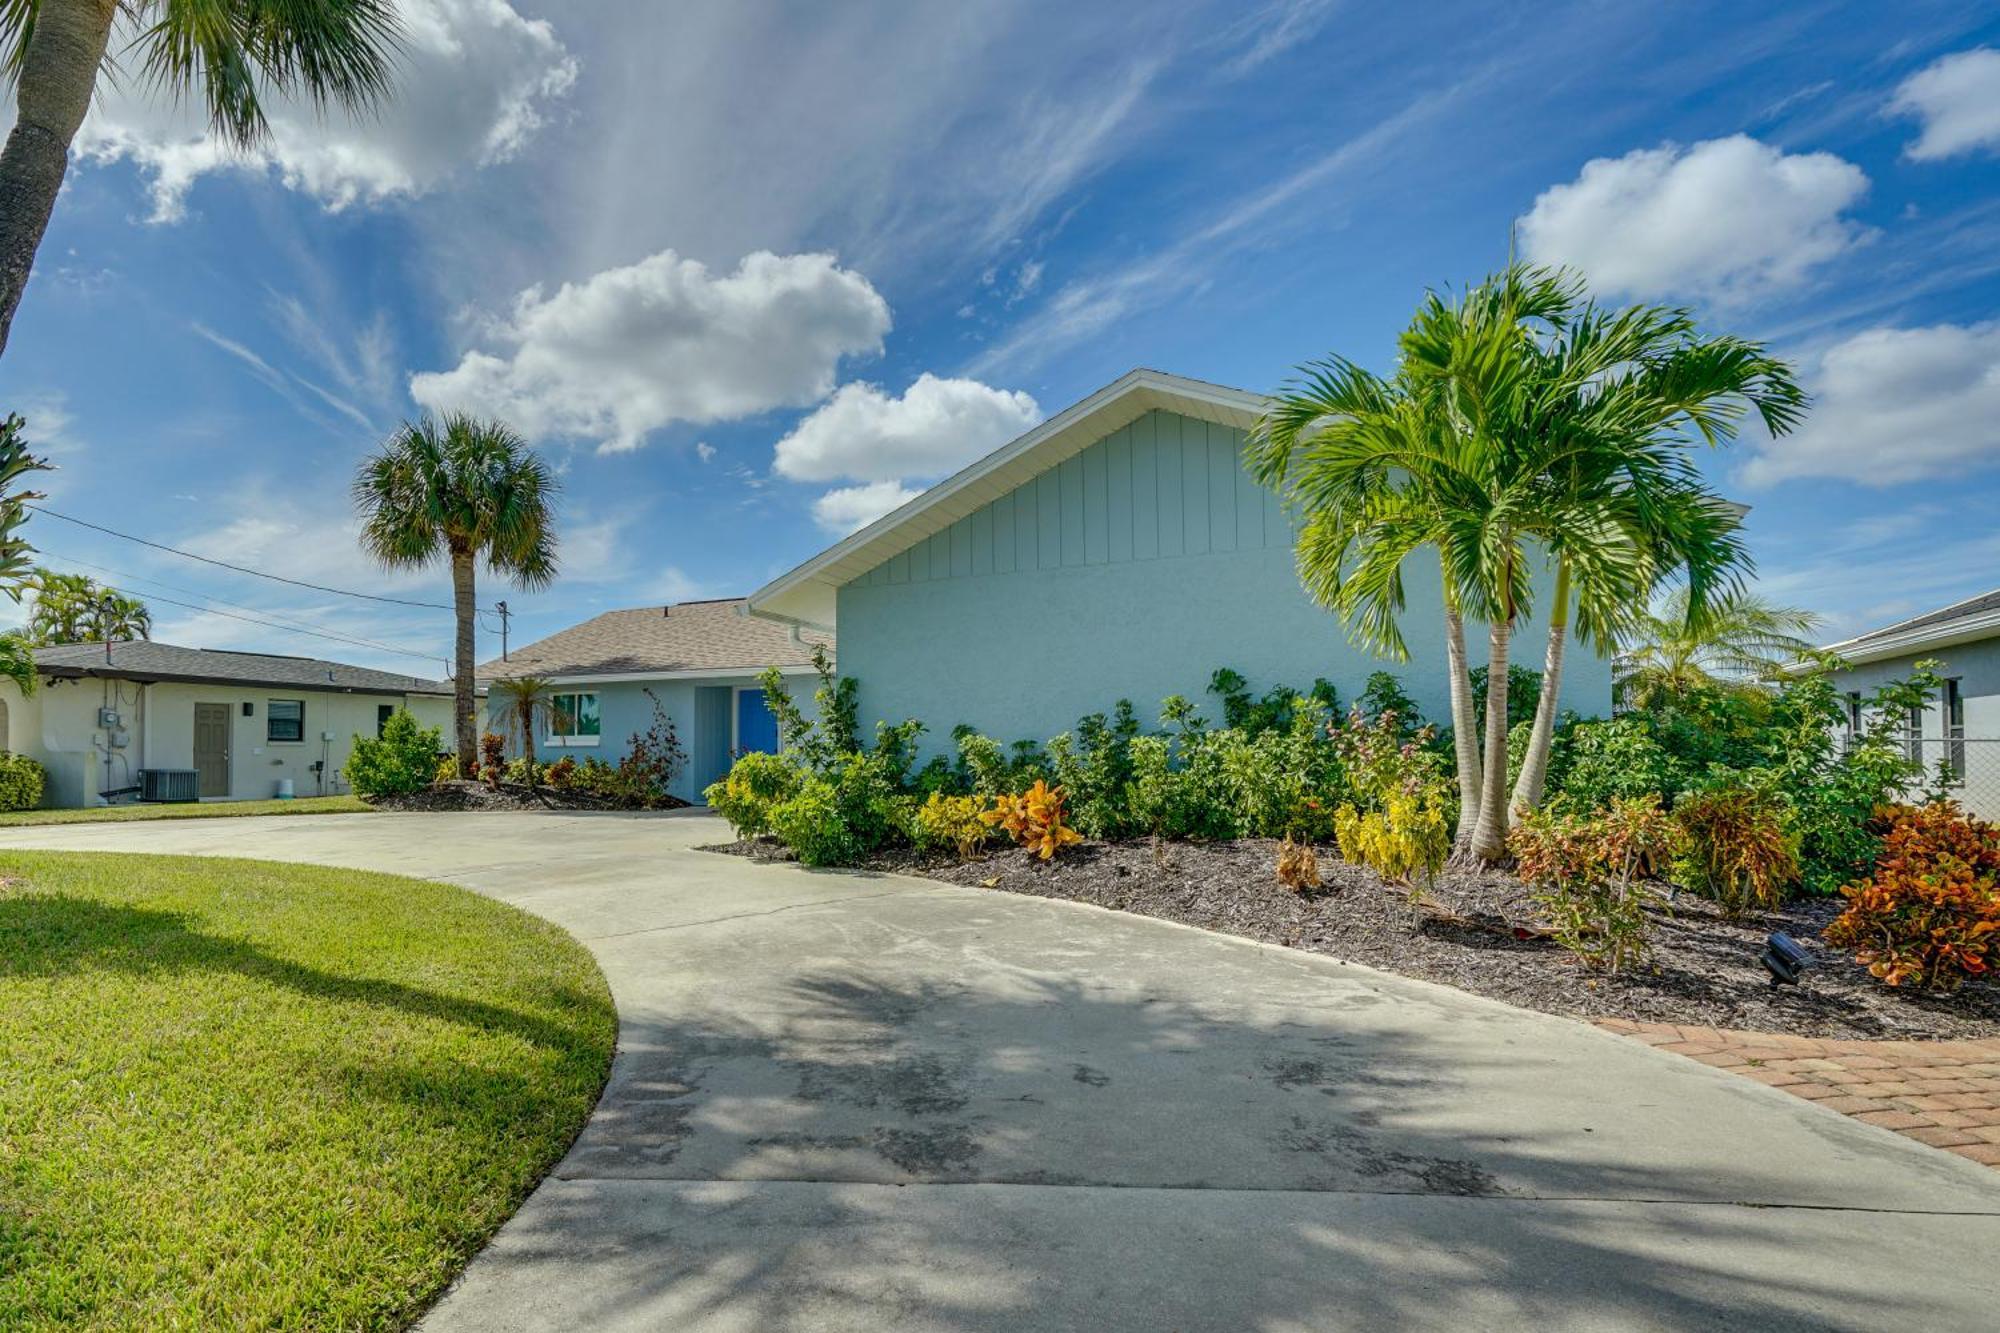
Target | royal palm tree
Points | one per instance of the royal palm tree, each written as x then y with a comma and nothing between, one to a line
1670,650
460,490
232,54
75,608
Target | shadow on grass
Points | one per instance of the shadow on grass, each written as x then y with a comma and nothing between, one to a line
50,934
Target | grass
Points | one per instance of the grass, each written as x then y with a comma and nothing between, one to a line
114,814
240,1094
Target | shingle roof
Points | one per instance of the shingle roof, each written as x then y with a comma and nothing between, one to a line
143,660
688,636
1985,604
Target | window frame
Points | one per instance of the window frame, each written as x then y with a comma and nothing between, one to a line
556,712
1952,705
271,718
383,712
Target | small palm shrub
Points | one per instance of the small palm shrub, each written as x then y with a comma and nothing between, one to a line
403,759
950,821
1735,849
1034,819
1585,872
757,784
22,781
1929,915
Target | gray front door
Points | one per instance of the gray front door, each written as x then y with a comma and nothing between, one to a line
211,748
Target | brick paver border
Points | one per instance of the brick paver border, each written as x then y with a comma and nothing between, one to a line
1944,1093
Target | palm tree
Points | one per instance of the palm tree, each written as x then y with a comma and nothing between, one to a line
231,53
523,700
1669,651
75,608
459,490
15,463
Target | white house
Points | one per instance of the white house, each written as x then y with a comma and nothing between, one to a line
206,723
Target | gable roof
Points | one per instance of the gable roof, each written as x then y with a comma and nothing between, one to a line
805,596
687,638
143,660
1961,622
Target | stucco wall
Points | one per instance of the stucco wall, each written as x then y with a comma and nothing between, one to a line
1977,667
703,713
1133,570
58,727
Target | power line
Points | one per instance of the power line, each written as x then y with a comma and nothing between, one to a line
240,569
301,627
290,629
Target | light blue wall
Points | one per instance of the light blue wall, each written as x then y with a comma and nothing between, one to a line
1133,570
701,711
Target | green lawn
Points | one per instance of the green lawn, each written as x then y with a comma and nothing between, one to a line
237,1093
310,805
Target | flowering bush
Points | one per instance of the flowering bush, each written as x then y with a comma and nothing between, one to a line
1930,913
1585,871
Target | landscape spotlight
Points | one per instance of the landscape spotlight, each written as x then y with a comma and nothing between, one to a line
1785,959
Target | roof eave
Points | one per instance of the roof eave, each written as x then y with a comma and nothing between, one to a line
1880,647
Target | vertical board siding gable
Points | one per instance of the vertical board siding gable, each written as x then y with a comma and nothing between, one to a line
1164,486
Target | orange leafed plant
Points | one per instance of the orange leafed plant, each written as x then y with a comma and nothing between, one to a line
1298,866
1034,819
1930,914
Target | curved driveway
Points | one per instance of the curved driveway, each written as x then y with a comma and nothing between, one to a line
870,1102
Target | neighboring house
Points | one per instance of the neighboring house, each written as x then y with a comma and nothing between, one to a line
1962,727
700,660
1119,549
234,726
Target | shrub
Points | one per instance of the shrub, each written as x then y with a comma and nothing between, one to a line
811,824
653,759
1408,836
1930,913
562,774
492,751
1298,866
757,784
1094,766
22,781
521,770
1615,759
1734,848
1585,872
950,821
403,759
1273,712
1286,781
1381,757
1034,819
447,769
1179,787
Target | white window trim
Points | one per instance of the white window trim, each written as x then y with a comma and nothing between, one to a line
555,742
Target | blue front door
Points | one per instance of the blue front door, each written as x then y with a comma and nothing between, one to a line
756,729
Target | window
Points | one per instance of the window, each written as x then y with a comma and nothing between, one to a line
383,712
1853,718
573,719
1913,734
285,720
1954,728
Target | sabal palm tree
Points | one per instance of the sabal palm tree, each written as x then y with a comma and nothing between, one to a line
1670,650
231,54
460,490
523,700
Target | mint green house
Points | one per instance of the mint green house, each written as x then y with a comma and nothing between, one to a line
1117,550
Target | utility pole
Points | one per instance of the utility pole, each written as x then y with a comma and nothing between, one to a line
504,613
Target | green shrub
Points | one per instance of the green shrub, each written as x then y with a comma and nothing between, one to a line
1273,712
757,783
1585,870
521,770
1286,781
403,759
1606,760
811,822
1179,788
22,781
1093,766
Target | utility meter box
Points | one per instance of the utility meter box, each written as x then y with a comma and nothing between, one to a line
108,718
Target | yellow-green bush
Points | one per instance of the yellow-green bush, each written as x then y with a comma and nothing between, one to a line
950,821
1408,836
757,784
22,781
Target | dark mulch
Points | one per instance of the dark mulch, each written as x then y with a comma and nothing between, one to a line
508,796
1704,968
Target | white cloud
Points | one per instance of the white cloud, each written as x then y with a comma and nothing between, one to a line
1958,99
633,349
473,79
704,451
1726,218
1896,405
937,426
849,508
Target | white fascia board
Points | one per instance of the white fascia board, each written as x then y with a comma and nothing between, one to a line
1875,648
699,673
806,595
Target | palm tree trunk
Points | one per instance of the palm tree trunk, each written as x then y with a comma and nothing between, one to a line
58,73
1489,835
1535,763
462,664
1464,731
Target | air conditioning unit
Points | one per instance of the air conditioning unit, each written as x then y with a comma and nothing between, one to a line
169,784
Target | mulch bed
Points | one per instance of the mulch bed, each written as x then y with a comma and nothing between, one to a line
507,796
1703,970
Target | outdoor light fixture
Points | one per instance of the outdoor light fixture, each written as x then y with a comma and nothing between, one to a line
1785,959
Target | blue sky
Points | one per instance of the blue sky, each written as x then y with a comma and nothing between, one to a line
751,273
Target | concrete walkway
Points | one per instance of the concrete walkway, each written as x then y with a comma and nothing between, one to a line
869,1102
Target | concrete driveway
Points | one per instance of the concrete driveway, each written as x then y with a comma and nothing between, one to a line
869,1102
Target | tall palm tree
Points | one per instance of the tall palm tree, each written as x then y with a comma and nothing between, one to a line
230,53
75,608
16,555
459,490
1670,650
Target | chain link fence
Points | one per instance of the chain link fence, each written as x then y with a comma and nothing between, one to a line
1972,764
